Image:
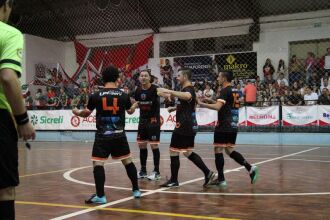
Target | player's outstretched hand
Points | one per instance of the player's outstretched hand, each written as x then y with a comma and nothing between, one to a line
171,109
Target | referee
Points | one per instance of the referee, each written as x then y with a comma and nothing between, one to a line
14,121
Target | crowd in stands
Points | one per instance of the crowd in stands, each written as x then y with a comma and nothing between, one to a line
302,82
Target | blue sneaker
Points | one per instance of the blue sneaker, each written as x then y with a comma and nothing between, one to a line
94,199
137,194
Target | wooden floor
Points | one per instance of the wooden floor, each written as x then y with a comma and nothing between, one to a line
294,184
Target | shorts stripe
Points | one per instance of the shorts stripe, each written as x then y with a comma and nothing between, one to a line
181,149
99,159
223,145
122,157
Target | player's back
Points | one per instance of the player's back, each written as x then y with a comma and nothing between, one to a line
110,105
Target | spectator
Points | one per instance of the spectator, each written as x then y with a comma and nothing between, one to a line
62,99
167,81
156,81
260,98
274,99
269,80
39,99
325,76
176,68
326,85
295,70
258,81
282,88
310,65
281,68
295,87
268,68
126,90
83,84
28,100
250,93
314,80
324,98
282,79
323,63
208,92
295,99
310,97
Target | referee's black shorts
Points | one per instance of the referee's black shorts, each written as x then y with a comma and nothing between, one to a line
8,151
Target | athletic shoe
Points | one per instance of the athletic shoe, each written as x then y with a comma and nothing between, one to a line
254,174
94,199
154,176
170,183
142,174
137,194
209,178
220,184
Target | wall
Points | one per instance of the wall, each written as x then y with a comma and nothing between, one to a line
40,50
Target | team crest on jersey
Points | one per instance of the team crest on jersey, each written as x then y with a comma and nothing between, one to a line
20,53
143,96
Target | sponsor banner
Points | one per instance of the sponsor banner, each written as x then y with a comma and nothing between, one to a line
300,115
262,116
242,117
324,115
65,120
200,66
243,65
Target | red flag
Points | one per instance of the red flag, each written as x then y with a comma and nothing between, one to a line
117,57
98,57
141,53
81,52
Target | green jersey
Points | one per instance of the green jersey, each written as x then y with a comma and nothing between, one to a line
11,46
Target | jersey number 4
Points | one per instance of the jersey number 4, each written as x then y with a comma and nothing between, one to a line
114,107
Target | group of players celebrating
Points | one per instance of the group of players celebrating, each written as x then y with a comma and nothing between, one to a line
110,139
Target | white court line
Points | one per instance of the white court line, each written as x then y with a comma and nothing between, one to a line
163,189
247,194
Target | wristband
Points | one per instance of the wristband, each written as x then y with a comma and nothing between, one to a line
22,119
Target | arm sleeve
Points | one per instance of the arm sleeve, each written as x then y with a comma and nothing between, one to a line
11,51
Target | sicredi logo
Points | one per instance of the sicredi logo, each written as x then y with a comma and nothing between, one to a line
132,120
291,116
46,120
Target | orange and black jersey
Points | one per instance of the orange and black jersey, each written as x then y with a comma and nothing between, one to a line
228,114
110,105
149,104
186,123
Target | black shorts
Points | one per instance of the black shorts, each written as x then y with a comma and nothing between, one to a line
225,139
182,143
149,133
8,151
117,147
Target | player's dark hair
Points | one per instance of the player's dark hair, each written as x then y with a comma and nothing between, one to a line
187,72
110,74
10,2
228,75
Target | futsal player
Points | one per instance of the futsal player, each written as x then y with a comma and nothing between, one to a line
149,124
14,120
226,130
183,136
110,138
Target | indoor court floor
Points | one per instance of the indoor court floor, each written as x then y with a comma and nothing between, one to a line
56,178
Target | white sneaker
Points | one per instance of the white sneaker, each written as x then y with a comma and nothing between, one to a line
154,176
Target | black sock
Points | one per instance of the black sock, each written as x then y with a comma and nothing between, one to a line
156,154
240,160
197,160
7,210
175,165
143,159
99,178
219,163
132,174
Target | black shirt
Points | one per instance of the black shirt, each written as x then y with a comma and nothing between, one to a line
186,123
228,114
110,105
149,105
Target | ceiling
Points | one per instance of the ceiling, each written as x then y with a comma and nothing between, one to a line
59,19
